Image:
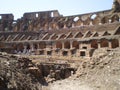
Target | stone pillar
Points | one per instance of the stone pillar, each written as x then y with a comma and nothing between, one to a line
31,47
79,45
71,45
62,45
99,46
69,53
109,44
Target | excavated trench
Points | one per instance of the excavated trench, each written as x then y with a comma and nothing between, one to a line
52,72
19,73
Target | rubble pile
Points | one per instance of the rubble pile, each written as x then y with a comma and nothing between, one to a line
102,72
15,75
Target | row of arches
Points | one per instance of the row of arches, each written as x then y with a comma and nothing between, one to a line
60,45
65,22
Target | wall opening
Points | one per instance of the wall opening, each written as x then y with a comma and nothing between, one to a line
104,43
73,52
75,44
76,19
64,53
115,43
93,16
42,45
67,45
20,48
35,46
42,52
82,53
59,45
0,17
52,14
84,47
94,44
36,15
49,52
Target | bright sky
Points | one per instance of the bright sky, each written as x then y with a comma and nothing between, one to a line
65,7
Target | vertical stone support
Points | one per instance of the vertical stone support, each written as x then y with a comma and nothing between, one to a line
31,47
119,42
62,45
79,45
109,44
69,53
99,46
71,44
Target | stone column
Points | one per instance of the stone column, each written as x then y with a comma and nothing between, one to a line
62,45
99,46
71,45
109,44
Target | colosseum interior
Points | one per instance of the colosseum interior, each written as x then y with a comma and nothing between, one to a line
48,34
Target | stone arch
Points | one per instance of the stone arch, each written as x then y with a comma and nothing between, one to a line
87,21
115,18
105,20
94,44
96,20
78,23
35,46
75,44
42,45
59,45
14,46
27,46
114,43
104,43
67,45
20,47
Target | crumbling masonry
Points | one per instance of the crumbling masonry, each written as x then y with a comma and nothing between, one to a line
50,34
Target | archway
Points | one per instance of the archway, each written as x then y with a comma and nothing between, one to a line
67,45
94,44
58,45
42,45
115,43
75,44
20,47
115,18
104,43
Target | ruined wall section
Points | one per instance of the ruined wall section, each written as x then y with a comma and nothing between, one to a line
6,21
37,21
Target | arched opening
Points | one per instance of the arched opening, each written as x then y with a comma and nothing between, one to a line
93,16
115,18
94,44
67,45
35,46
41,52
104,43
87,21
49,52
96,21
65,53
115,43
58,45
20,48
75,44
42,45
28,46
82,53
105,20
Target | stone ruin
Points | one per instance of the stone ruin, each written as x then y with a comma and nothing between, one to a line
49,34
